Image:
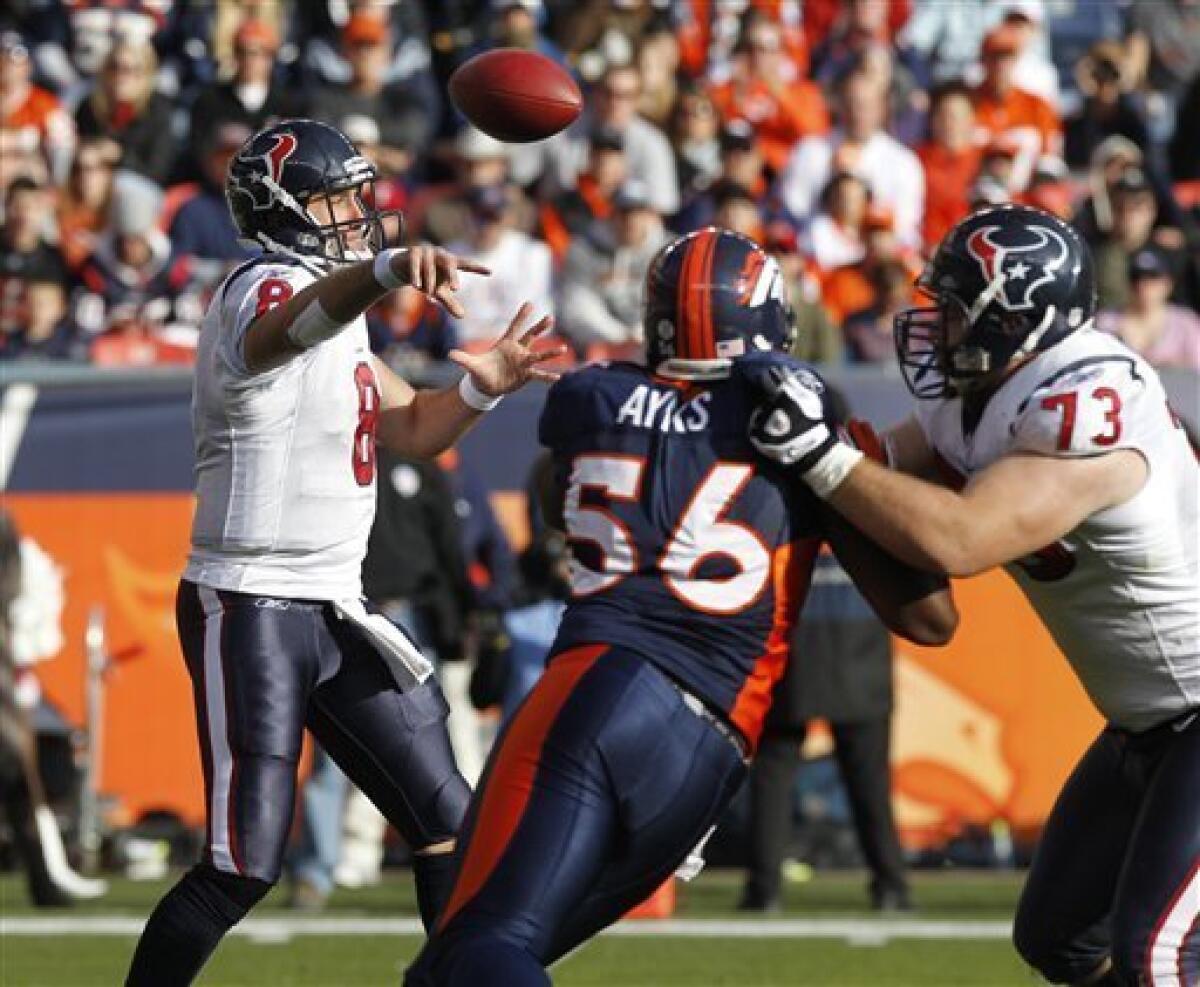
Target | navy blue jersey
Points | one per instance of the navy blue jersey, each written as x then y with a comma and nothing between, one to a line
687,548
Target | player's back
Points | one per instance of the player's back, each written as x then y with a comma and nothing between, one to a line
686,548
1121,592
284,458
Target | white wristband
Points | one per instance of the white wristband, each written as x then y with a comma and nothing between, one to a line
473,397
382,270
829,472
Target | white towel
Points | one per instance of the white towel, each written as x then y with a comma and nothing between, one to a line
408,666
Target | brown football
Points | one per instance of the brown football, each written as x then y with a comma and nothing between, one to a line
515,95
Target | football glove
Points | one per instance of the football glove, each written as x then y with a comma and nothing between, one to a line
790,428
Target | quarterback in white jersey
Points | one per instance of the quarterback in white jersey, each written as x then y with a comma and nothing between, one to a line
1050,449
287,408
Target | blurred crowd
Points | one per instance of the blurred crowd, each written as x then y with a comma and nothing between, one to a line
845,135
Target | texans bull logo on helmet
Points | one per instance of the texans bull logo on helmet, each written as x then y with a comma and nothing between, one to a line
1014,283
266,190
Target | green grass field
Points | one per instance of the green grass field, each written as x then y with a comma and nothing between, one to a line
858,950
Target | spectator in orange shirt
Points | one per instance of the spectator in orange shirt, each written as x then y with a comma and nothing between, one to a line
834,236
575,212
851,288
83,201
767,92
708,28
950,158
26,107
1003,110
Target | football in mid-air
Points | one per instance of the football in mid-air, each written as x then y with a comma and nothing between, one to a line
515,95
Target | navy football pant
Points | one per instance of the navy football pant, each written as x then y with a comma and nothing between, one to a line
1117,872
263,669
596,791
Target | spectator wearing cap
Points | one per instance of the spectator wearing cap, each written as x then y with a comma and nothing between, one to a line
612,103
516,24
31,112
834,236
738,210
950,158
573,213
1004,110
1034,72
83,198
438,212
520,265
998,163
390,191
1107,109
124,107
403,112
741,164
1136,225
137,304
859,144
253,94
33,277
1166,40
767,92
694,131
1166,335
600,297
201,227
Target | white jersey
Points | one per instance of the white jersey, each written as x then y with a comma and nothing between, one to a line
1121,592
285,459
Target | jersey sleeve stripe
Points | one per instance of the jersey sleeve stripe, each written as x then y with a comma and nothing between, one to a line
510,777
791,570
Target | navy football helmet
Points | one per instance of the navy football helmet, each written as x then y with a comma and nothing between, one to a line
1007,282
277,175
711,297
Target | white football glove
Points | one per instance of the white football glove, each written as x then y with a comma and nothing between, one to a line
790,428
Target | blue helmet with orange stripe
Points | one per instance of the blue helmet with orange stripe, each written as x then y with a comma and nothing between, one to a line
711,297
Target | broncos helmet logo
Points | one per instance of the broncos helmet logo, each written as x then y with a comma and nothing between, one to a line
266,188
1014,272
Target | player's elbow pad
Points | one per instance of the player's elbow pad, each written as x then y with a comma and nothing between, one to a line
312,326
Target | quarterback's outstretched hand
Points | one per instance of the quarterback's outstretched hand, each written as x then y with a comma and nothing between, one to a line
434,272
511,362
790,428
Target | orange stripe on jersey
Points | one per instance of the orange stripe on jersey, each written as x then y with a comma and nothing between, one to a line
509,781
791,570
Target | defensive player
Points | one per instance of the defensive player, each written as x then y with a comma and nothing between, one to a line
287,407
690,563
1079,479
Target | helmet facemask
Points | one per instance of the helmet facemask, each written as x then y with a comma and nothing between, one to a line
348,240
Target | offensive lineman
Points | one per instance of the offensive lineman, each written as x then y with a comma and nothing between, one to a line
1076,475
287,407
691,559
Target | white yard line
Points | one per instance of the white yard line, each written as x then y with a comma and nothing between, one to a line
14,415
856,931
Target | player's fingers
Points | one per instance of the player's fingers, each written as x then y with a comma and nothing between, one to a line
541,356
549,376
539,327
449,265
429,271
473,266
413,258
518,320
444,295
462,359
